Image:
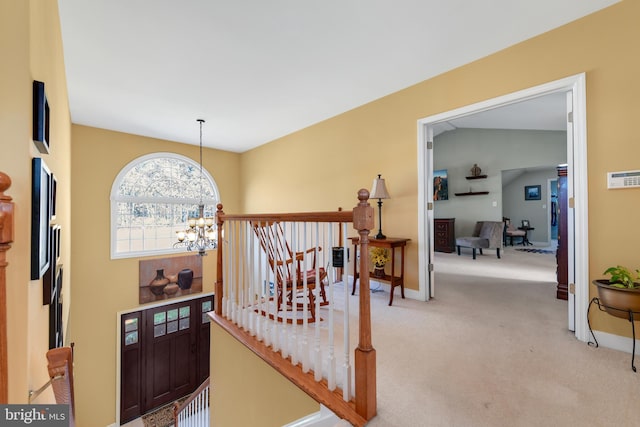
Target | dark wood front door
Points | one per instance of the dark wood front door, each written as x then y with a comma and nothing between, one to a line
164,356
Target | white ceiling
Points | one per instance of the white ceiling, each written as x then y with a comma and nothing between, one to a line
546,112
258,70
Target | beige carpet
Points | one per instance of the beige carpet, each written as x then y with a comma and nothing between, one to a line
493,349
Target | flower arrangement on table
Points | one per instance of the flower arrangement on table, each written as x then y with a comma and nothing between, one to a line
379,256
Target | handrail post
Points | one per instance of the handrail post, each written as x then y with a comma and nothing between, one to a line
61,365
219,276
365,354
6,237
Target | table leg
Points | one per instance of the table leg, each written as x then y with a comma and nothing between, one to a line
355,268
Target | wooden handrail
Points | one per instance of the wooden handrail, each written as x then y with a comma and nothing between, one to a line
177,408
6,237
305,381
61,365
337,216
364,407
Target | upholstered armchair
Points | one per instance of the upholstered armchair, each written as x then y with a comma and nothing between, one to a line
486,235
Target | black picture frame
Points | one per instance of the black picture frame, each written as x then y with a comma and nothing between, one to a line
41,117
54,190
532,192
56,338
48,278
40,218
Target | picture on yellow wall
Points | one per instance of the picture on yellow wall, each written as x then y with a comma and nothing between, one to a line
440,185
171,277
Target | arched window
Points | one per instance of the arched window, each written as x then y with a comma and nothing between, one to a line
152,198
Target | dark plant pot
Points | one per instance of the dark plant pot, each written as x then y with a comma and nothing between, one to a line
378,271
185,278
158,283
618,301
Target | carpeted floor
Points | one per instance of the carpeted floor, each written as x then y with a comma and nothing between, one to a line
492,349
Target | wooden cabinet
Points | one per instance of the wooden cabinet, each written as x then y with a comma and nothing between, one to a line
562,252
444,238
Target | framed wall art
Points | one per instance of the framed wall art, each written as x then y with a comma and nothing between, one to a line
440,185
40,217
49,277
532,192
40,117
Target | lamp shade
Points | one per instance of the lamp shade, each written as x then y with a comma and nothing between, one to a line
379,189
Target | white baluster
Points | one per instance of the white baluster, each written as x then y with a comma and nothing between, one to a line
304,343
317,368
293,336
275,327
252,284
259,289
331,368
225,271
232,278
346,367
242,280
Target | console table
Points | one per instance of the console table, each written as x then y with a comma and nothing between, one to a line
391,243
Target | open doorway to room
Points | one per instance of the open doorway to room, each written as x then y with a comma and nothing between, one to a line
574,151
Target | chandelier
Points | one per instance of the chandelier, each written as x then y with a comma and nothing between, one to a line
201,233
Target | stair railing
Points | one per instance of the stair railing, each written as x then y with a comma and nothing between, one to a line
193,412
283,321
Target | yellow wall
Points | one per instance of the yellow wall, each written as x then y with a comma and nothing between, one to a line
102,287
31,48
325,164
246,391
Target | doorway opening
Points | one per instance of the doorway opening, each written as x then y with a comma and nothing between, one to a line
577,240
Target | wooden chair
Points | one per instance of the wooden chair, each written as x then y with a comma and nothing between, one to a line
284,263
510,231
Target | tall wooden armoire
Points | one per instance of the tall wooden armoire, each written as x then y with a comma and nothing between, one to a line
562,252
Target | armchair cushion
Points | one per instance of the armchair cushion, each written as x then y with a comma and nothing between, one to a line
487,234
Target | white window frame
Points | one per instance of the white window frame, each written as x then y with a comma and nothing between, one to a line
115,199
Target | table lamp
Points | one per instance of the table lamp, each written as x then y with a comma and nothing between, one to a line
379,191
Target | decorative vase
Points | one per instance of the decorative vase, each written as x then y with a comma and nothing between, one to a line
158,284
378,270
185,278
171,289
618,301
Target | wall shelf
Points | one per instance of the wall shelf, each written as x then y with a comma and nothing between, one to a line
472,193
476,177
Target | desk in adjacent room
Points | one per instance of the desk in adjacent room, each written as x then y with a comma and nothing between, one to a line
391,243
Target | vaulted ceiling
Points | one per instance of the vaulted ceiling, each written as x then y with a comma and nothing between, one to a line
258,70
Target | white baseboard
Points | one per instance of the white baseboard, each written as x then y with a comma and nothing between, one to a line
323,418
615,342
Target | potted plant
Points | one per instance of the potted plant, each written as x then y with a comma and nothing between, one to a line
621,293
379,257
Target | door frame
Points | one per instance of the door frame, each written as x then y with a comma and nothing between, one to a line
119,337
577,192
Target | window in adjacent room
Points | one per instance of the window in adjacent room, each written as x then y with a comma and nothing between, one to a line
151,199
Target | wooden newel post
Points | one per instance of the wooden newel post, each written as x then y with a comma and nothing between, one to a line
219,277
6,237
365,354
